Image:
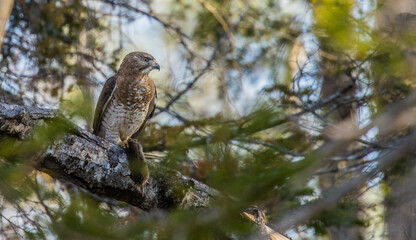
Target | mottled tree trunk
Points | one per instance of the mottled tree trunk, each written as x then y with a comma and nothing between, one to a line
397,18
336,80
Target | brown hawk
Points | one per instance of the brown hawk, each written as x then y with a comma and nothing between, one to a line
127,101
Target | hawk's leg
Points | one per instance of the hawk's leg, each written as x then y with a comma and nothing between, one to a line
138,166
114,136
125,144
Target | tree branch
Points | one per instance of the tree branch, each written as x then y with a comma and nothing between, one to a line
100,167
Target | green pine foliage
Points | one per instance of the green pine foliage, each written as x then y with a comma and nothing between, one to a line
281,151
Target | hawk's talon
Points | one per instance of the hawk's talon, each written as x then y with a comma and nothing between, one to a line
124,144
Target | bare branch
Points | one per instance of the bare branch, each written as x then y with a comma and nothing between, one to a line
308,211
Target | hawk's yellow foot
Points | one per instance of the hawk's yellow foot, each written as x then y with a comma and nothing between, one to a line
124,144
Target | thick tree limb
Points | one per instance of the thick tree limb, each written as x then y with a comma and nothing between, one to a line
100,167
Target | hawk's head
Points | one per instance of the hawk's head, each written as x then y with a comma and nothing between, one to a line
138,61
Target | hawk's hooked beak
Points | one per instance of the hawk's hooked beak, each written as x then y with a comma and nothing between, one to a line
156,65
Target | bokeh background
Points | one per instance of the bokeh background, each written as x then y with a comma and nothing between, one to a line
302,108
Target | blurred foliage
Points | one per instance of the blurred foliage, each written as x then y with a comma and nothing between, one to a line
52,47
269,151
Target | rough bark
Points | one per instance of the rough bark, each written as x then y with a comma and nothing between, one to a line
101,167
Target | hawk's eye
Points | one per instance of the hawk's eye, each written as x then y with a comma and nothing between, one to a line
146,59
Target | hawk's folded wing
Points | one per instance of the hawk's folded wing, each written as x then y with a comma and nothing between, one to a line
102,103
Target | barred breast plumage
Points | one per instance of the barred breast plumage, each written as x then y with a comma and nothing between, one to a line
127,100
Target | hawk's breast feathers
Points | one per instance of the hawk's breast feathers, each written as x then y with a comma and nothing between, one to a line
126,102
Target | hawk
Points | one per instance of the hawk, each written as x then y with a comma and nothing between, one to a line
127,101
